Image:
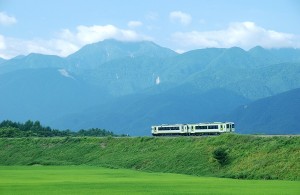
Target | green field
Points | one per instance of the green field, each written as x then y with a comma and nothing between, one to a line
95,180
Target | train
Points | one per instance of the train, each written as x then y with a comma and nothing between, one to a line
197,129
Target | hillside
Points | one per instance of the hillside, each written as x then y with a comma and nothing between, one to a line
249,157
278,114
44,94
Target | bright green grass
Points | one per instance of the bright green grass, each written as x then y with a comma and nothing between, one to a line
95,180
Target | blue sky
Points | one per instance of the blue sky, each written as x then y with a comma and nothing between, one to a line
61,27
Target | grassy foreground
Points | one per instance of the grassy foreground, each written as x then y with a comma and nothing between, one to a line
94,180
249,157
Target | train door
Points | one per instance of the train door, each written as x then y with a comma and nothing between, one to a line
222,127
232,127
185,127
228,127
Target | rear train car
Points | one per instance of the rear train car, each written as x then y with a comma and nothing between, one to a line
163,130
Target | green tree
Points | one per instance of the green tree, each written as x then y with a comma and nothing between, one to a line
10,132
221,155
27,126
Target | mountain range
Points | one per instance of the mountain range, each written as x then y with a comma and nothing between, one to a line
128,86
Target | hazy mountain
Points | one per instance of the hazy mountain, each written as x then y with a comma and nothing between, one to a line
252,83
274,56
128,86
278,114
43,94
121,68
2,60
125,76
93,55
233,69
32,61
136,113
190,62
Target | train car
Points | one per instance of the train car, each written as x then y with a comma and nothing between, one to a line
165,129
214,128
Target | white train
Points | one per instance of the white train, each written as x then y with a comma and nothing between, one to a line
213,128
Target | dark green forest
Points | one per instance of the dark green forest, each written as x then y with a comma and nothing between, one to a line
30,128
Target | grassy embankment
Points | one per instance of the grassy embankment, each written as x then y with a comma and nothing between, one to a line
96,180
249,157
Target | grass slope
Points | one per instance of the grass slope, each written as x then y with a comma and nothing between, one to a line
250,157
94,180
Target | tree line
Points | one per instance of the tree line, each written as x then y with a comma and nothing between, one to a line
30,128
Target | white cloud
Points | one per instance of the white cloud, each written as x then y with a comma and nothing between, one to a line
66,42
242,34
6,20
91,34
245,35
14,47
181,17
133,24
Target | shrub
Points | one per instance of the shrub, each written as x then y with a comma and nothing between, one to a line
221,155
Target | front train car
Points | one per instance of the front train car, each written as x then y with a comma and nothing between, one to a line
211,128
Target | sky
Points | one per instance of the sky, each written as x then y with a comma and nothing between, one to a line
61,27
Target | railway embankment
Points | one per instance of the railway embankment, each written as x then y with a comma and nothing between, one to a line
229,155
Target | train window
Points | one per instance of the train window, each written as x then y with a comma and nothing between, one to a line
227,125
167,128
232,125
201,127
213,127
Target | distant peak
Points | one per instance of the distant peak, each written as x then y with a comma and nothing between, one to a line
236,49
257,48
115,41
111,49
39,55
